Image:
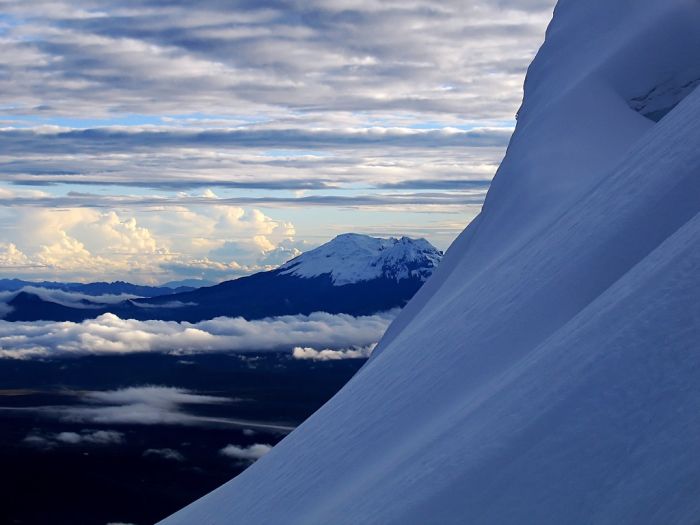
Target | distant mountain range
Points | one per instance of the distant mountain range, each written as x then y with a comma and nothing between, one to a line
101,288
353,274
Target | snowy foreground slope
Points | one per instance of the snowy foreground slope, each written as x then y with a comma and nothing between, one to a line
548,371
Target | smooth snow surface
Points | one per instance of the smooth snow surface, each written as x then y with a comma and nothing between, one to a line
353,258
548,372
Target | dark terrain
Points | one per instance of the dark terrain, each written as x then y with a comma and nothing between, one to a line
97,484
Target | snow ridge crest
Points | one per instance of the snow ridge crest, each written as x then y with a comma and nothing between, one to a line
352,258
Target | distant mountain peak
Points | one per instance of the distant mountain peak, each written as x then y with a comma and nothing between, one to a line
351,258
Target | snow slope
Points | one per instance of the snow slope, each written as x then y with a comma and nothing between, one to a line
352,258
548,372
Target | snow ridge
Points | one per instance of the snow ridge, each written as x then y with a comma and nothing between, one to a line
547,372
352,258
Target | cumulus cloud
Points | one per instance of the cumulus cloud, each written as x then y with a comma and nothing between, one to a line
200,236
249,454
165,453
84,437
108,334
80,242
332,355
149,105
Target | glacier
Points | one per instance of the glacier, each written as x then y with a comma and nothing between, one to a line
353,258
548,371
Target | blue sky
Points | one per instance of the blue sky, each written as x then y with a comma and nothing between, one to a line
152,140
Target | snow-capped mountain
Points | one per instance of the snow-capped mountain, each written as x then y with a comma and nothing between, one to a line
352,258
548,372
351,274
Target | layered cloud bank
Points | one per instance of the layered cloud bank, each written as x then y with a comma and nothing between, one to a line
277,111
108,334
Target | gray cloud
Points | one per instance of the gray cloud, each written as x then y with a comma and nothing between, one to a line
149,56
147,405
93,200
143,405
251,75
248,159
403,107
108,334
84,437
165,453
104,140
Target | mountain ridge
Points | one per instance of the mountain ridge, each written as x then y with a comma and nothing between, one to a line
275,292
94,288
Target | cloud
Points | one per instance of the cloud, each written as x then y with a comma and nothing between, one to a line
332,355
147,105
367,200
70,299
99,437
250,454
165,453
267,57
106,140
146,405
142,405
210,239
84,437
108,334
79,242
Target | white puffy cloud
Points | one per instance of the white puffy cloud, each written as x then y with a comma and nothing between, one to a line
332,355
108,334
84,437
249,454
213,242
80,242
12,257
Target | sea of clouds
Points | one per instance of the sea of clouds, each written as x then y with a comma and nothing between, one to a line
109,335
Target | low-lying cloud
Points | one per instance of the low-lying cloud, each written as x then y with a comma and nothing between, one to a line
332,355
250,454
64,298
141,405
109,335
169,454
146,405
84,437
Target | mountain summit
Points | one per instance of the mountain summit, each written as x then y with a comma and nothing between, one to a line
353,258
352,274
547,373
